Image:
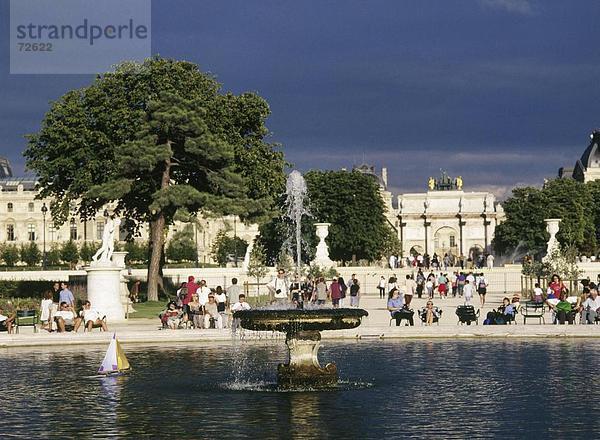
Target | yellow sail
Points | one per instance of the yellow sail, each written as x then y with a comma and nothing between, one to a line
122,362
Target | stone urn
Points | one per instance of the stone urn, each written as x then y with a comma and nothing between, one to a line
552,226
322,255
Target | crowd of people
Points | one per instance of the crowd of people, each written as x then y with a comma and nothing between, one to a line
566,305
199,306
436,262
58,313
456,284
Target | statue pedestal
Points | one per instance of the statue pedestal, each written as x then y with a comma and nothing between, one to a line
104,290
303,368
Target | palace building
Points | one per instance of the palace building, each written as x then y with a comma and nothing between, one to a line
443,220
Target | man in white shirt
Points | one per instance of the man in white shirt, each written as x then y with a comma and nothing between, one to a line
64,318
239,306
203,292
90,318
590,308
490,261
280,286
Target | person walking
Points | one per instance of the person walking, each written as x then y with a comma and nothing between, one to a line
354,293
482,288
381,287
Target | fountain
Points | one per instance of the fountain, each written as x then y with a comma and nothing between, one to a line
303,337
296,193
302,326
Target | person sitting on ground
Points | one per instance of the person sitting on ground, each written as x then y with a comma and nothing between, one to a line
171,316
47,309
239,306
6,322
397,309
90,318
432,314
196,312
211,312
65,318
563,310
590,309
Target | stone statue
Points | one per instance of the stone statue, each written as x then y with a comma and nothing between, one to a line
431,183
105,252
459,183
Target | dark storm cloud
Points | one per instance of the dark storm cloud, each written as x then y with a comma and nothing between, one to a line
502,92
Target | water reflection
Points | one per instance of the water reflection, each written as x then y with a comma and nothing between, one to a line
427,389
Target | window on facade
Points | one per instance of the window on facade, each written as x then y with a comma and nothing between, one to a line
31,232
9,207
51,230
452,241
10,232
73,232
99,229
30,207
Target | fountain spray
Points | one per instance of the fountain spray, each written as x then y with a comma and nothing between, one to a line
296,207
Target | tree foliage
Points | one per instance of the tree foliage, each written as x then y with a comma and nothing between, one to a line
155,138
182,246
352,203
567,199
225,246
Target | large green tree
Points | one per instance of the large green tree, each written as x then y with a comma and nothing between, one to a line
567,199
156,138
352,203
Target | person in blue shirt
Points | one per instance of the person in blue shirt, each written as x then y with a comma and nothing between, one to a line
397,310
66,295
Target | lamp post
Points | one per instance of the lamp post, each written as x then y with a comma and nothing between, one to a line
70,231
44,212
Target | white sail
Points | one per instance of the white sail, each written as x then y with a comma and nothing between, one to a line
109,363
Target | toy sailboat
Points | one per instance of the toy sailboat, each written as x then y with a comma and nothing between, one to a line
115,361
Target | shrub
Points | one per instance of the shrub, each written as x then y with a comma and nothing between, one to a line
30,254
87,251
10,254
69,253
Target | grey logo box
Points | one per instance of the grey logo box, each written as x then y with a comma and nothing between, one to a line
77,36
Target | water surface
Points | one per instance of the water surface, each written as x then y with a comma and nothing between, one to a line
419,388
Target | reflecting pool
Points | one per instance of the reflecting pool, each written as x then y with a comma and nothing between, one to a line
418,388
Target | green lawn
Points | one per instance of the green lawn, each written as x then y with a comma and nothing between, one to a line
148,309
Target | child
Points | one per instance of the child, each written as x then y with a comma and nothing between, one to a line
468,292
538,294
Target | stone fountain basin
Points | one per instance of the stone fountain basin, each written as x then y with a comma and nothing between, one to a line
296,320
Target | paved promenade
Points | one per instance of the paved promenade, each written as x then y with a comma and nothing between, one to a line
375,326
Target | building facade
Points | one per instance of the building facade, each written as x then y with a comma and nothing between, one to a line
443,220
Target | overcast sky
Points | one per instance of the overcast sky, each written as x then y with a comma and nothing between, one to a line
502,92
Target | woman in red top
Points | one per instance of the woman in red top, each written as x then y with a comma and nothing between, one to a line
556,286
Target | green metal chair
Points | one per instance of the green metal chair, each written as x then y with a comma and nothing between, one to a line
27,318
